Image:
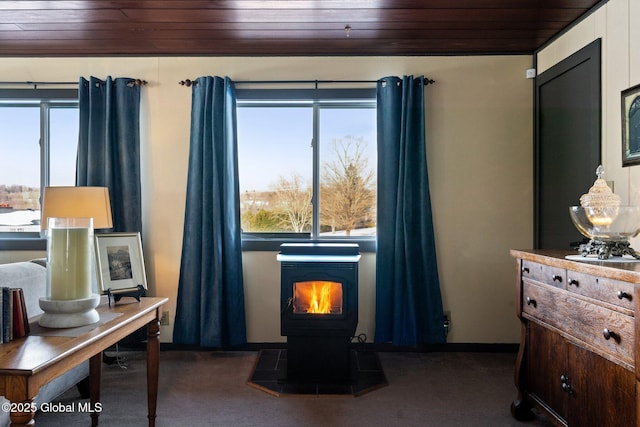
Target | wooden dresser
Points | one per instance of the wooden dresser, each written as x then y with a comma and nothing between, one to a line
580,342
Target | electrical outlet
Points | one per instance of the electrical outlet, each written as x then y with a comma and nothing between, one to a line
447,322
164,320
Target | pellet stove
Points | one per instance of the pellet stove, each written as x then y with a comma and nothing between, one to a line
319,309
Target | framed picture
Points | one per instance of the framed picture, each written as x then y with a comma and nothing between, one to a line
120,262
631,126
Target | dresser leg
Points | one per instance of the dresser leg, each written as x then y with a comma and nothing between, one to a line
521,411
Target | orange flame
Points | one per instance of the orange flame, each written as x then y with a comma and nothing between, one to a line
317,297
320,301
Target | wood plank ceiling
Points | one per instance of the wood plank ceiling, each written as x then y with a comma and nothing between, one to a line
282,27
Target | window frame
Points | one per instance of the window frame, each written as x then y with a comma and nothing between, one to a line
316,99
46,99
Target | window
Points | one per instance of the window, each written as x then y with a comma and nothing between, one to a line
307,165
38,142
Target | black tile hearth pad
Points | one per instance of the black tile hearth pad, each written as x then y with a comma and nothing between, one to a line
270,375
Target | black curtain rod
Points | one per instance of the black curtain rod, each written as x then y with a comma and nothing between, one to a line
189,82
133,82
36,84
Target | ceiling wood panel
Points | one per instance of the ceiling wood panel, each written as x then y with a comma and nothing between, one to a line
283,34
283,27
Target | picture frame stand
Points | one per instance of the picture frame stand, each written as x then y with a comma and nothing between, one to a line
120,265
137,292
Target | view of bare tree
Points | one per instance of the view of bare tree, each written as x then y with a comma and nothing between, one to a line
347,189
20,196
347,196
293,199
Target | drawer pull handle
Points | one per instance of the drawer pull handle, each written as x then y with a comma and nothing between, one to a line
525,270
607,334
622,295
556,278
566,384
531,301
574,282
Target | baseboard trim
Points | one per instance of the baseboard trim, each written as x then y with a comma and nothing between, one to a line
381,347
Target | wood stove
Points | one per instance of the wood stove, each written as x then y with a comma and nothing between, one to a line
319,309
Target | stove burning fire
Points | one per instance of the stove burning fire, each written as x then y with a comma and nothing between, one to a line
317,297
319,309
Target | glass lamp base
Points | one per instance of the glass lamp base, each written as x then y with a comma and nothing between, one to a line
69,313
605,249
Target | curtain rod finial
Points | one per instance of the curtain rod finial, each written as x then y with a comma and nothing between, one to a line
187,82
137,82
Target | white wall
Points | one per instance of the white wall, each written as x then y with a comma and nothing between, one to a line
479,131
620,70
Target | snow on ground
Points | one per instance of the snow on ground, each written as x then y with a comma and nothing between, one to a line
26,220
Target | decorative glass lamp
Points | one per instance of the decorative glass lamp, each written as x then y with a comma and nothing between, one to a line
69,216
608,225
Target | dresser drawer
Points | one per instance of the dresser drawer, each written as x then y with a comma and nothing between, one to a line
610,291
553,276
607,330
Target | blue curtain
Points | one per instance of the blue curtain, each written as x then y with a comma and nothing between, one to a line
210,306
408,300
109,146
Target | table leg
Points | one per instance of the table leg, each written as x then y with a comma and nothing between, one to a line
153,366
23,417
95,376
22,407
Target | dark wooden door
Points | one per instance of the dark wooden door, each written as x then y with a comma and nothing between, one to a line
568,116
602,393
546,363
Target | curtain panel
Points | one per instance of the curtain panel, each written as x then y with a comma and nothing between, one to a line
210,305
408,300
109,146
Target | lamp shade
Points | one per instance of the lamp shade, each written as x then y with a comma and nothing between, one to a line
77,202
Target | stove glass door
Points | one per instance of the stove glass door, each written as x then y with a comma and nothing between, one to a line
317,297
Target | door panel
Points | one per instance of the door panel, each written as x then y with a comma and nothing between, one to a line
547,361
568,117
602,392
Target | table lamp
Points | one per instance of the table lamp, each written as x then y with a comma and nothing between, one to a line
69,216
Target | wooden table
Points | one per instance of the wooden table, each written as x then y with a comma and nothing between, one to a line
26,364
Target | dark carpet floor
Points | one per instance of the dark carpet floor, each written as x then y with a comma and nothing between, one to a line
199,388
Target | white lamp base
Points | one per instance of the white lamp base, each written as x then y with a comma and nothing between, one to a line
69,313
